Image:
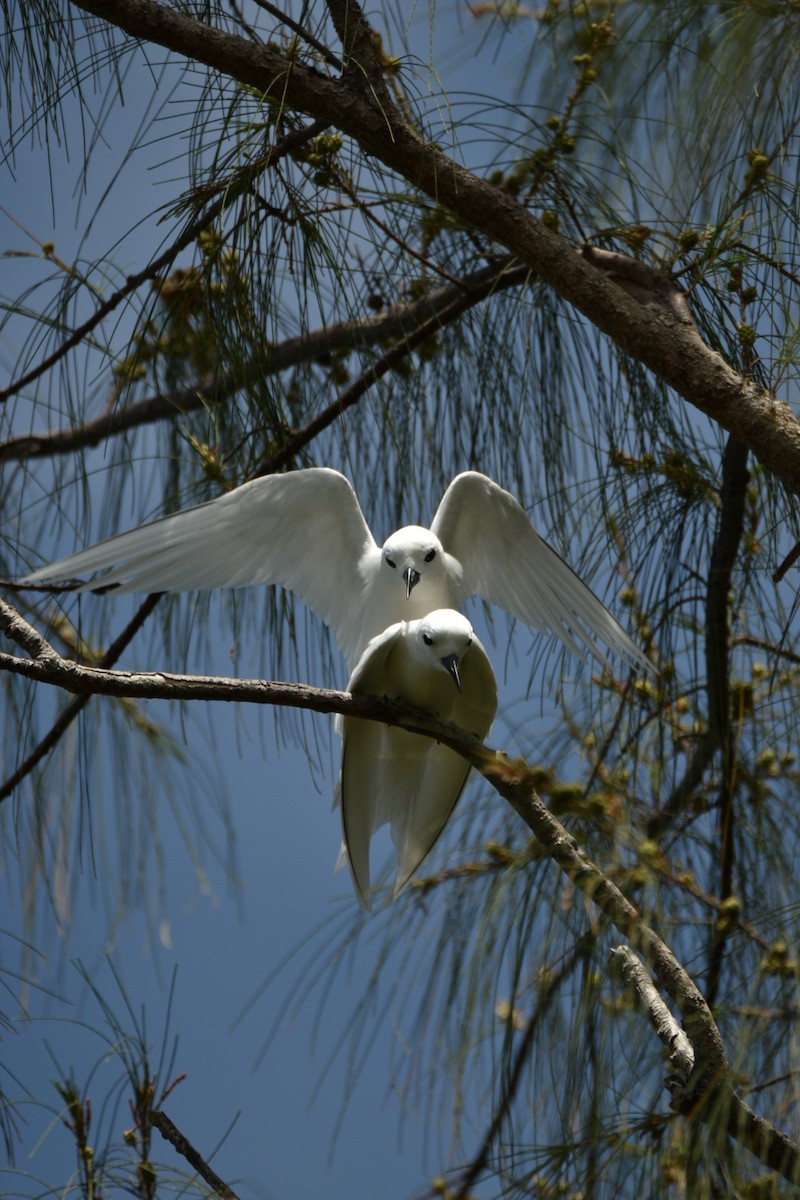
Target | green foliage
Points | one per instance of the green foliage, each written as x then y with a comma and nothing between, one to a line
265,264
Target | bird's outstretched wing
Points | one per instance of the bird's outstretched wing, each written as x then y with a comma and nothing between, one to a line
505,561
304,530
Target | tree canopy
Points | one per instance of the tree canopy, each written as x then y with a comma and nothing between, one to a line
560,246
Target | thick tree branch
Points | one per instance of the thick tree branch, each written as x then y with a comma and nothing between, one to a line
659,334
708,1096
48,667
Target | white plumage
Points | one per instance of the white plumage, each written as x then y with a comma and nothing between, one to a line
402,779
306,531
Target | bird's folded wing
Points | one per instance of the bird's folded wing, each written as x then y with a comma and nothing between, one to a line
421,797
506,562
304,530
432,788
474,708
361,783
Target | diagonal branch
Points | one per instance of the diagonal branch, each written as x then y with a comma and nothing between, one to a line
170,1132
654,326
75,706
284,18
552,980
461,300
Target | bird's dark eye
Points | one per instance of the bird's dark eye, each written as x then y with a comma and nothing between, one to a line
427,639
430,556
391,564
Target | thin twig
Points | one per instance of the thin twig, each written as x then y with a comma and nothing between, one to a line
395,355
173,1135
553,979
165,260
71,710
330,58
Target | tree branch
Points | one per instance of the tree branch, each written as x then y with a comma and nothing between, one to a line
173,1135
737,1118
291,142
71,710
462,300
727,540
551,981
438,308
634,974
660,335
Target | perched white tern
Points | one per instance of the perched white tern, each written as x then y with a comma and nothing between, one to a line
306,531
403,779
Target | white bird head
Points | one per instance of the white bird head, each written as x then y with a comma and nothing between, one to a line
441,640
414,554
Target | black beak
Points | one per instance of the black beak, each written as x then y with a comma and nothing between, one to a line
450,665
411,578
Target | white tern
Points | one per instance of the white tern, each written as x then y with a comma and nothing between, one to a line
404,779
306,531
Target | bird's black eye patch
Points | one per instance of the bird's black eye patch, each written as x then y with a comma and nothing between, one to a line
391,564
430,556
427,639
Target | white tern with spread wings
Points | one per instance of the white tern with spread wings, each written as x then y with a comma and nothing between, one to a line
306,531
390,776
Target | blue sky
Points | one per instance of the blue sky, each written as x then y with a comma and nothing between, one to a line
290,1139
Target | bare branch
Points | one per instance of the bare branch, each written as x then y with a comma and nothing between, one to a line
633,972
47,666
71,710
173,1135
721,1106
